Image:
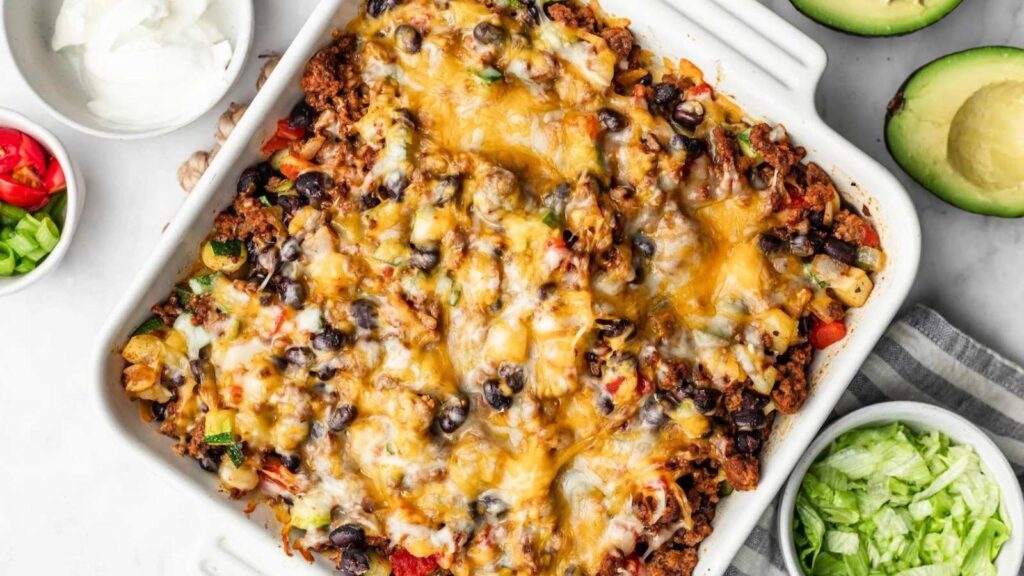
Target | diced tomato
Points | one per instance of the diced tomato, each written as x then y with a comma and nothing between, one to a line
54,180
870,237
17,194
274,144
825,334
405,564
698,90
20,150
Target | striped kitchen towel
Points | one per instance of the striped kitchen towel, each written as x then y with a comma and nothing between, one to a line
924,358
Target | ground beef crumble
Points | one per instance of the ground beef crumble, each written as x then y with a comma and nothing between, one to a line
791,390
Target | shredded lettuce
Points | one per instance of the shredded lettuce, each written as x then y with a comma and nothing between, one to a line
886,500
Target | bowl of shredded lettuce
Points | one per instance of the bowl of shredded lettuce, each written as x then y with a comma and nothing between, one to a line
905,489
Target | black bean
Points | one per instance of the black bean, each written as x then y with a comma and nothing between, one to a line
269,259
615,327
447,189
249,182
495,396
341,417
159,411
546,290
665,93
594,364
310,185
747,443
348,535
292,462
408,39
532,12
300,356
752,400
688,114
491,505
291,292
514,377
816,218
487,33
317,430
644,245
377,7
749,419
770,243
364,313
208,463
291,250
265,171
569,238
369,201
425,259
841,251
683,390
612,120
395,185
692,146
354,562
605,404
653,412
303,116
325,372
290,203
800,245
453,415
705,400
329,339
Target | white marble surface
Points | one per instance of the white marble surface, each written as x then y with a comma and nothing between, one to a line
74,503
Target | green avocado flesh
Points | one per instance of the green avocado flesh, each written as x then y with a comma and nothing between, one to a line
876,17
957,127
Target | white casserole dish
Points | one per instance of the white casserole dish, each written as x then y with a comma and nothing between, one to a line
746,51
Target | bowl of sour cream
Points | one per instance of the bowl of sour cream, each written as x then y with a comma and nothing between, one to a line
128,69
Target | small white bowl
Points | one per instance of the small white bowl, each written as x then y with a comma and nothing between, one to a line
76,197
918,417
28,27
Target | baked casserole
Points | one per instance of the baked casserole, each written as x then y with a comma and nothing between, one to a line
510,295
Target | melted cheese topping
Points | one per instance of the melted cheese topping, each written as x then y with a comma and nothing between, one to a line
552,480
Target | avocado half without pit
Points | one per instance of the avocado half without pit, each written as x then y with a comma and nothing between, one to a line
957,127
876,17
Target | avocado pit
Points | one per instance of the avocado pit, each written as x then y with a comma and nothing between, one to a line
985,144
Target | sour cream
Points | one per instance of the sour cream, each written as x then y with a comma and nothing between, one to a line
145,63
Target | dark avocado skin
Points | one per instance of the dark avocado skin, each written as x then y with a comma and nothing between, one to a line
863,35
896,105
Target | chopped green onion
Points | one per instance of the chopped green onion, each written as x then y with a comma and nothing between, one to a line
743,139
29,224
454,297
489,75
59,208
7,260
550,219
152,324
283,187
265,201
10,215
36,255
814,278
236,455
25,266
47,235
21,244
227,248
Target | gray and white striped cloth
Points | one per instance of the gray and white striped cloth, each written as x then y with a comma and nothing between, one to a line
924,358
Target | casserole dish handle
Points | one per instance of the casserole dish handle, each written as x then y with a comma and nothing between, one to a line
788,56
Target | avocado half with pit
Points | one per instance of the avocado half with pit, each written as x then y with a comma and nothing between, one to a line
876,17
957,127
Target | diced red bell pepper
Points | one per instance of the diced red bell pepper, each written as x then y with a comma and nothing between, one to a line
870,237
825,334
20,150
54,180
405,564
285,135
16,194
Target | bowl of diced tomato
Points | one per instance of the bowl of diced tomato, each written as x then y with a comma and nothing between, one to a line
40,200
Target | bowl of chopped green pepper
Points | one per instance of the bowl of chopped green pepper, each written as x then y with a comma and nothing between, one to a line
902,488
40,200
